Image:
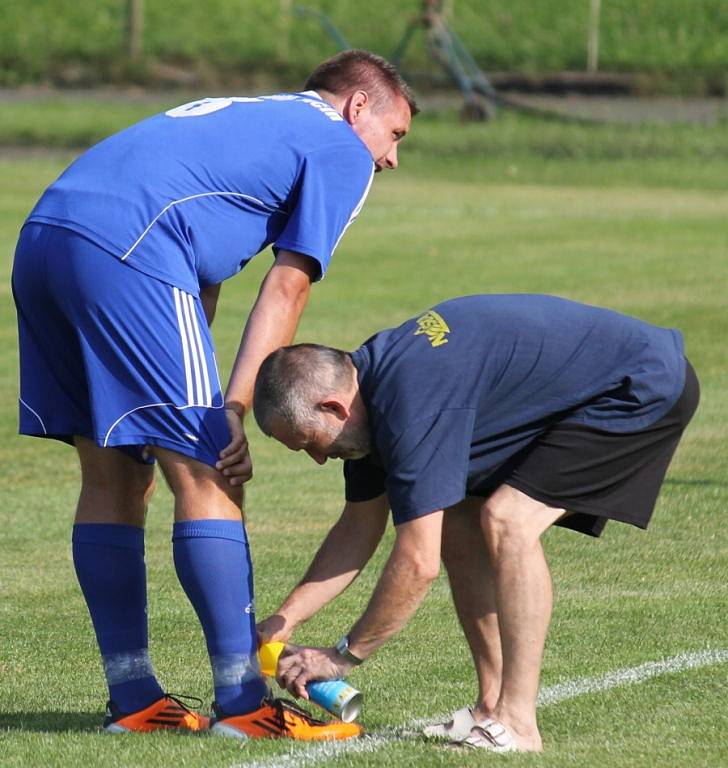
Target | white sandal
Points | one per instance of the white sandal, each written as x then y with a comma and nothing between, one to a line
490,735
456,729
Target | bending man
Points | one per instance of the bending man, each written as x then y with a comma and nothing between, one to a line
481,423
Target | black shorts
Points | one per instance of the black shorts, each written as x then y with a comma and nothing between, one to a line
595,475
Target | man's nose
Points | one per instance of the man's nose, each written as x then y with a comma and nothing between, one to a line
390,159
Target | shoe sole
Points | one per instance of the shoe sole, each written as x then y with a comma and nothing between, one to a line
443,734
114,728
229,731
436,735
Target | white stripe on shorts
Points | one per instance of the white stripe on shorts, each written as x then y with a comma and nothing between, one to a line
193,352
183,338
207,399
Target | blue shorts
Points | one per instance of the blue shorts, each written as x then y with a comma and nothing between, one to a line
111,354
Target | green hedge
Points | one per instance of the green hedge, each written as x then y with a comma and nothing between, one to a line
54,40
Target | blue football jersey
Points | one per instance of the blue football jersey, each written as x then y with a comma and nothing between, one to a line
191,195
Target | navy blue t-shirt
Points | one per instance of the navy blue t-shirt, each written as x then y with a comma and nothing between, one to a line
191,195
455,392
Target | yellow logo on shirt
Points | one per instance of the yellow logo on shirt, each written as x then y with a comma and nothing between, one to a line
434,327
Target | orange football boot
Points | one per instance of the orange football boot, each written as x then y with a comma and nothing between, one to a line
280,718
166,714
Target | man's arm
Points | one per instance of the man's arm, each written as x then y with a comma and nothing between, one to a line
345,551
411,567
272,324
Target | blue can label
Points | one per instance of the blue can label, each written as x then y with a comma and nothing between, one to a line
337,697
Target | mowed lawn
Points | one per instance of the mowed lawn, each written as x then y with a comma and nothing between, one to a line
644,235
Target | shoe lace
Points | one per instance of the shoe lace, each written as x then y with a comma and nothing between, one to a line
178,699
281,706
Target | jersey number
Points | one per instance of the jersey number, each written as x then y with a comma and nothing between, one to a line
207,106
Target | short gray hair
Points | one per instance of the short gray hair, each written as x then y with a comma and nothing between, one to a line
293,379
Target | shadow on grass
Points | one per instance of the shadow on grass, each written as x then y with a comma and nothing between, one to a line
51,722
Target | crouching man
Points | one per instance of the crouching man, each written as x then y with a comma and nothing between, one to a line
480,424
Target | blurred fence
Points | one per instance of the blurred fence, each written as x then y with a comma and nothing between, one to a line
90,39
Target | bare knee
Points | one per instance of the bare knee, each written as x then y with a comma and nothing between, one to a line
513,522
200,491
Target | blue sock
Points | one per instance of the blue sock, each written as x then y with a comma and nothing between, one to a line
213,565
109,562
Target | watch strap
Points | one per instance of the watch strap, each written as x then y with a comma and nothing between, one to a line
342,648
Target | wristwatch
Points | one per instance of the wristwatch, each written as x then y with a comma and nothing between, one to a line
342,648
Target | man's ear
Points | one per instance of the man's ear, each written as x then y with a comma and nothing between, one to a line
336,407
355,105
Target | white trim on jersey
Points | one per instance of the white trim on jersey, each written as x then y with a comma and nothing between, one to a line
164,210
153,405
217,371
193,351
356,211
45,431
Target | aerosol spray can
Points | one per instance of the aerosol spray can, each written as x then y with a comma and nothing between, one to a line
335,696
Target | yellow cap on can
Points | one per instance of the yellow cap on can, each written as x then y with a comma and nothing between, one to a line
268,654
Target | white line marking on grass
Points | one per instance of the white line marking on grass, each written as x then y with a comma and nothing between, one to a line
311,754
629,676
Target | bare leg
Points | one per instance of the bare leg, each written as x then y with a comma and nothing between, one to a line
512,524
200,491
471,582
114,487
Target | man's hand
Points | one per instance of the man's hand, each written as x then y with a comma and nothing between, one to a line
235,462
299,665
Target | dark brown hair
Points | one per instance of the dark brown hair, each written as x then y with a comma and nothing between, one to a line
358,69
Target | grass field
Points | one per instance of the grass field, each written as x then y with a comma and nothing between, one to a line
629,218
85,41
